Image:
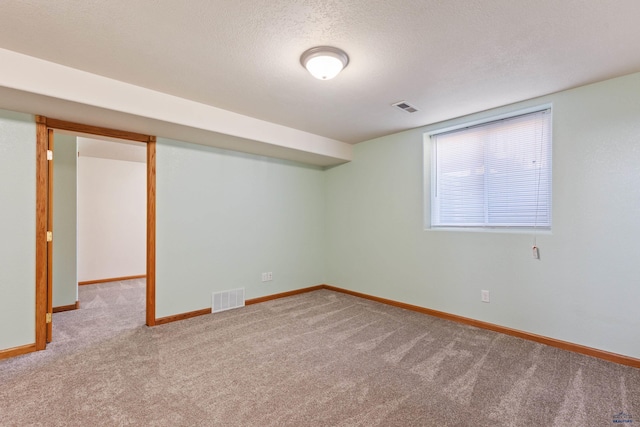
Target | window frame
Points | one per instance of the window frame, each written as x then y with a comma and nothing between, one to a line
430,181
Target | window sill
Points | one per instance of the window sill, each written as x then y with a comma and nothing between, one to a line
505,230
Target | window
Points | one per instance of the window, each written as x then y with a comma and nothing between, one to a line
495,174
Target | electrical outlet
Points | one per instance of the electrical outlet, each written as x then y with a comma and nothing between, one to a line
270,276
484,296
267,276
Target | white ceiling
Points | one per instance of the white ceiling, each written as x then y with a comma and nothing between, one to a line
114,149
448,58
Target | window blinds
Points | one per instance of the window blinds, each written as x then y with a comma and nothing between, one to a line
496,174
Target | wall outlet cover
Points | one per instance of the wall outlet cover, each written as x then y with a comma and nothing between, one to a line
484,296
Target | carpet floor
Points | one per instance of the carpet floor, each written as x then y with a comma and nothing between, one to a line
315,359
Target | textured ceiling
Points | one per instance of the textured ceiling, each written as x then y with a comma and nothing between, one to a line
448,58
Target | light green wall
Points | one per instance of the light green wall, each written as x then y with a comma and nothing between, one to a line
223,218
17,229
65,278
585,289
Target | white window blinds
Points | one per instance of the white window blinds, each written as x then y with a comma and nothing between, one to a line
496,174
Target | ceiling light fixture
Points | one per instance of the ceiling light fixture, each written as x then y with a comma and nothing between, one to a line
324,62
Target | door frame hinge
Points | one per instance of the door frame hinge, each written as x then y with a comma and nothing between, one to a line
48,317
49,155
49,236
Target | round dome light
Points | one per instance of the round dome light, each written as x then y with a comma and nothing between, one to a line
324,62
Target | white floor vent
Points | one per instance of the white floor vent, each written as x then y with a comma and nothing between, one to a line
226,300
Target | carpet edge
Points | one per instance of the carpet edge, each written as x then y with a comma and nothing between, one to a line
563,345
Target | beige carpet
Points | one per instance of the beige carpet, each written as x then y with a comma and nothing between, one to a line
317,359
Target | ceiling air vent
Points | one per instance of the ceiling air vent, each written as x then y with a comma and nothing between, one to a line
405,106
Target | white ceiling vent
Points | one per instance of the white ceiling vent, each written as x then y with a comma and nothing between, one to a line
405,106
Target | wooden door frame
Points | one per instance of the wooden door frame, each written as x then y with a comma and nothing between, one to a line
50,198
43,125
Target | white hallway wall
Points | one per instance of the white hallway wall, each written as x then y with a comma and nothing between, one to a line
111,218
584,289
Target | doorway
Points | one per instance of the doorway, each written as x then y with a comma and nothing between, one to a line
44,216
